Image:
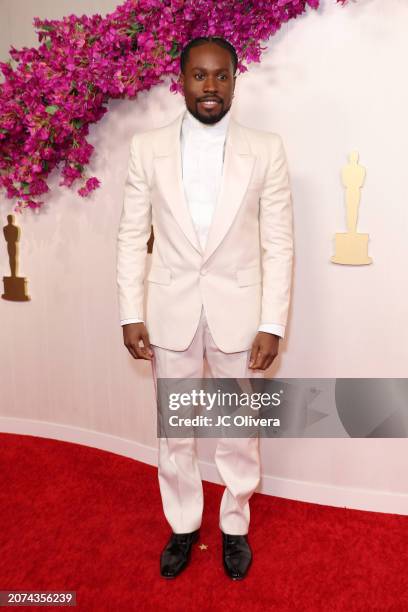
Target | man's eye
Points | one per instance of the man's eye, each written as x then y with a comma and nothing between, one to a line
221,76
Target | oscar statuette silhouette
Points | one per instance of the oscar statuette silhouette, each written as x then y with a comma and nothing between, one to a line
15,287
352,247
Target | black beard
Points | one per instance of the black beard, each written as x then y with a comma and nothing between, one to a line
209,120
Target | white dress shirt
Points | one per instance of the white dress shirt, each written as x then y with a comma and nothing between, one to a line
202,152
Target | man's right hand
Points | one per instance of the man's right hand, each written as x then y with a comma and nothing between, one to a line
132,334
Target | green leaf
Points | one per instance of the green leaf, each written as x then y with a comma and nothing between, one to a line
48,44
51,109
77,123
47,28
136,27
174,51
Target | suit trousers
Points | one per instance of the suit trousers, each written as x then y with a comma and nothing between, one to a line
237,459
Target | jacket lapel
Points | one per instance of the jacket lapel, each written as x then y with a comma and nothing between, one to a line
167,161
237,169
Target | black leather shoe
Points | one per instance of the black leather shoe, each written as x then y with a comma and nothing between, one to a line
236,554
177,552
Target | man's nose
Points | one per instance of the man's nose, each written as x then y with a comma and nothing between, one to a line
210,83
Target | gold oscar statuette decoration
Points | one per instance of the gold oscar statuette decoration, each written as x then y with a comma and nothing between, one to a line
15,287
352,247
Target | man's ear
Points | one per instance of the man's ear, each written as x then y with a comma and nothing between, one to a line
181,81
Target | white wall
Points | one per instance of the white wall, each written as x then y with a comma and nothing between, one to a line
326,88
16,17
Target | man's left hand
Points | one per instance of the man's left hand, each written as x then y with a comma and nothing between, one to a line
265,347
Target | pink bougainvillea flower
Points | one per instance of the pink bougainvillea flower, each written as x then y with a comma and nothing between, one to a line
90,185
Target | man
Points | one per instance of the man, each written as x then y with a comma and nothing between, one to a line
218,196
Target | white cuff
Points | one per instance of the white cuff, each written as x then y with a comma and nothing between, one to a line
126,321
273,328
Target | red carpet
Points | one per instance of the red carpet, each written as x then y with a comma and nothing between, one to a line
75,518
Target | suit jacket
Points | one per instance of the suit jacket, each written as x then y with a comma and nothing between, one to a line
243,277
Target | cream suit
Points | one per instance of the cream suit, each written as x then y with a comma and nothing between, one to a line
245,269
206,302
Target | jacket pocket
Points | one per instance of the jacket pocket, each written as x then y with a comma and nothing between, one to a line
160,275
249,276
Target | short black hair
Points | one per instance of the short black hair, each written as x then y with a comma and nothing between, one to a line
201,40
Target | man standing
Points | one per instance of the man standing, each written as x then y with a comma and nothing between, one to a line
218,196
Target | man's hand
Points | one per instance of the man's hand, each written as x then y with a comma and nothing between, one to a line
264,350
132,334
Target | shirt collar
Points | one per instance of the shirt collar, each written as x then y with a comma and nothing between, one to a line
216,129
